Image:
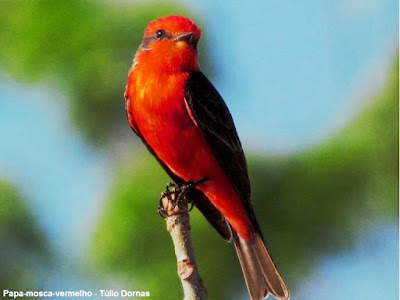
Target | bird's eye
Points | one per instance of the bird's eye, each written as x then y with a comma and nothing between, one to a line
160,34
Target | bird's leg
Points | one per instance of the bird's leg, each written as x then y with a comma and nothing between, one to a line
175,195
186,187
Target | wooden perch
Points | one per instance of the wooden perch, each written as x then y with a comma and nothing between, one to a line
177,218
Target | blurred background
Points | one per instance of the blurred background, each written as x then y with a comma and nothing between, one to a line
313,88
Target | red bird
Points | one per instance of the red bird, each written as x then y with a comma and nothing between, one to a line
186,125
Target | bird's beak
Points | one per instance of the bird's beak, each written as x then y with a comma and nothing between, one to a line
188,37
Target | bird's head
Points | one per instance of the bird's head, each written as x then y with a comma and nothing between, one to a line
170,43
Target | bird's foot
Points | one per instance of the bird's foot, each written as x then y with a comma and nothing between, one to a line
173,199
168,200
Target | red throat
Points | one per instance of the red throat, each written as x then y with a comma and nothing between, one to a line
166,59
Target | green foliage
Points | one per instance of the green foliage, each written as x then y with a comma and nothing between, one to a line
308,204
318,201
23,248
138,244
86,47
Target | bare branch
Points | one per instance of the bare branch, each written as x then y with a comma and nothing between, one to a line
177,218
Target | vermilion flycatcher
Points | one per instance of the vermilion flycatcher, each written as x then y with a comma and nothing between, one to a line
186,125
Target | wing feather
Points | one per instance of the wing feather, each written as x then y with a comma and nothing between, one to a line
214,119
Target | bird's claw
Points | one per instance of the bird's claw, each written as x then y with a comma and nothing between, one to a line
191,205
173,198
167,200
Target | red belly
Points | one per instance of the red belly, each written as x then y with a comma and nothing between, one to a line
167,127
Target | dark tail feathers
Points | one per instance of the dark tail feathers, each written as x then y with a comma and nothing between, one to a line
260,273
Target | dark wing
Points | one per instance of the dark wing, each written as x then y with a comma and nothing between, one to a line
212,116
213,216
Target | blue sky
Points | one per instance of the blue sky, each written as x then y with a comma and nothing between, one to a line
64,178
326,52
369,271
